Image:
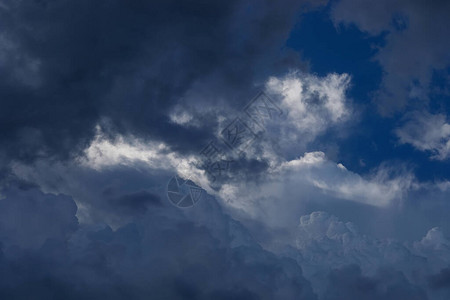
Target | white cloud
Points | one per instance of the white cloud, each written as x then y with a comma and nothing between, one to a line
427,132
105,153
309,97
180,115
312,104
331,180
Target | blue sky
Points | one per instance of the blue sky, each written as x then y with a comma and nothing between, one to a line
238,149
345,49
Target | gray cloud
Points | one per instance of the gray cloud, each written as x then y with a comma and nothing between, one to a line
441,280
416,44
102,102
426,132
166,254
349,283
73,64
149,246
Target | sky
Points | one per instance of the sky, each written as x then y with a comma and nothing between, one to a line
239,149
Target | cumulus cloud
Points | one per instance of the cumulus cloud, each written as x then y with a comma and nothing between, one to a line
102,103
166,254
280,188
106,152
380,189
130,198
325,241
281,195
312,105
201,253
328,248
75,64
427,132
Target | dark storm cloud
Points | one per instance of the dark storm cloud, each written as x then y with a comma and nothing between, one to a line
165,255
28,218
349,283
135,203
440,280
114,195
68,65
416,45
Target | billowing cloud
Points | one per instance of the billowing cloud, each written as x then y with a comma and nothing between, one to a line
166,254
280,197
102,103
312,105
328,249
75,64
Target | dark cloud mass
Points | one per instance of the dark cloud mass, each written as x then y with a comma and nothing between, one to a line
441,280
71,64
349,283
48,255
105,103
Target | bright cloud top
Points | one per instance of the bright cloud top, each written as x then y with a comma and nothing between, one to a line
312,103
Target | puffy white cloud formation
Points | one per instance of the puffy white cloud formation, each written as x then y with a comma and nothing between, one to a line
427,132
380,189
311,101
104,152
278,198
311,105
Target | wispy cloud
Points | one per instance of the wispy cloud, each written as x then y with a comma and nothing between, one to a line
427,132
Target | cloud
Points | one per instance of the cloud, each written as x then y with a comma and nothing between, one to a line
349,283
166,253
263,191
328,248
28,218
103,102
200,253
380,189
104,152
415,44
76,64
144,234
441,280
312,105
307,97
278,198
427,132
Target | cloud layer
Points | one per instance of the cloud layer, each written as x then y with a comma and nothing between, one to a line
102,103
